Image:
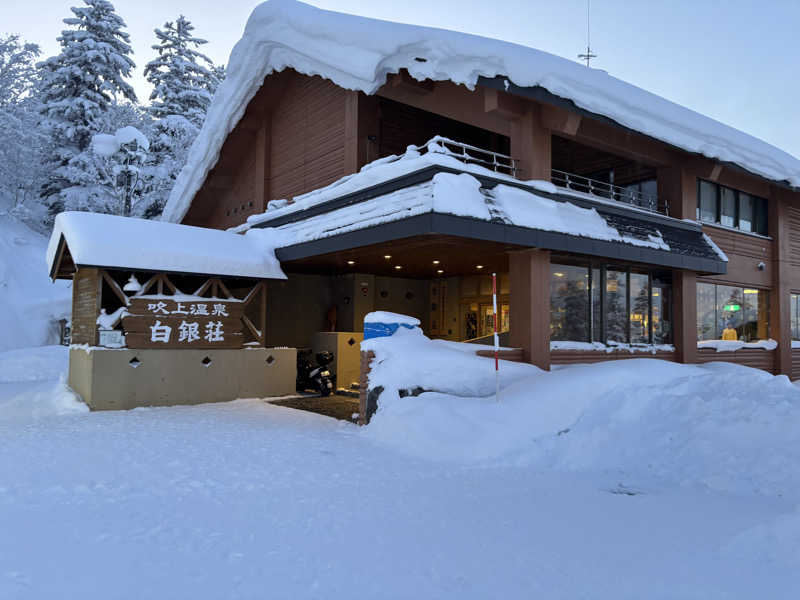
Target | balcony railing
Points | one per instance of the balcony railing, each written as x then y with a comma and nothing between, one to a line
495,161
609,191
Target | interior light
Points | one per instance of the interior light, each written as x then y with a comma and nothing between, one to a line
436,262
478,266
387,256
440,271
749,291
351,262
398,267
558,274
656,294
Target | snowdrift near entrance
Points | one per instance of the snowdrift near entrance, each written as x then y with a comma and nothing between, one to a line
719,425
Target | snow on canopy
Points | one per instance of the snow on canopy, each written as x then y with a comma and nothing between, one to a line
139,244
358,53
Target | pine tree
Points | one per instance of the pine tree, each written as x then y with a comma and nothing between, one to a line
181,84
184,81
78,87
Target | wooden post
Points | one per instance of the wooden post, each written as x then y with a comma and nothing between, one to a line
780,295
531,145
86,300
529,275
684,285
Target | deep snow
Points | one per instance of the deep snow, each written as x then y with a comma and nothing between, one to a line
30,304
251,500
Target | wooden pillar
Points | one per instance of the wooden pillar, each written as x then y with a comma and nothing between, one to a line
679,188
85,305
684,286
779,298
529,280
531,145
262,166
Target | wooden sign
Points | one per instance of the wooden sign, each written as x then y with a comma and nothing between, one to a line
166,323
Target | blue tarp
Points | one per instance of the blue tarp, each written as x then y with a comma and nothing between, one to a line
376,330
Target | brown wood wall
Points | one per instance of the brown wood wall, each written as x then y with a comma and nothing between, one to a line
308,137
568,357
744,253
749,357
85,306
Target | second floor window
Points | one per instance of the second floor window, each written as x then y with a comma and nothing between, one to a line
731,208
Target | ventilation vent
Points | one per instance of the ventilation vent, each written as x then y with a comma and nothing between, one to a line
351,341
270,359
206,362
134,362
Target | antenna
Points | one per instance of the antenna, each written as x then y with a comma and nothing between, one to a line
588,55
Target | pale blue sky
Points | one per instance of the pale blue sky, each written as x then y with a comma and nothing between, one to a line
732,60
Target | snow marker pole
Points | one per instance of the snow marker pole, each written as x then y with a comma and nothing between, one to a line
496,341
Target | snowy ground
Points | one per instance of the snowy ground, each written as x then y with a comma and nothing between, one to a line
250,500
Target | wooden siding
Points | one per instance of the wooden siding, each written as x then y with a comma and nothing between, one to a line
569,357
85,306
308,137
793,219
748,357
744,253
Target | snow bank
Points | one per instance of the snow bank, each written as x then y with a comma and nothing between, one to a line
408,359
129,243
718,425
611,347
734,345
30,304
357,53
382,316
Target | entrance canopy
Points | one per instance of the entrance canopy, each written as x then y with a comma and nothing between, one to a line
82,239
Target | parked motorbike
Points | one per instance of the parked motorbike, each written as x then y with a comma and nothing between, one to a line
314,376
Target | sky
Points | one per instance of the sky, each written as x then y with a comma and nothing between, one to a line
730,60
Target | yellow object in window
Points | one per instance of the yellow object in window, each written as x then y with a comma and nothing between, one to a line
729,334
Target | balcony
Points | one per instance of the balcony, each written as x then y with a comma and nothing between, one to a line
609,191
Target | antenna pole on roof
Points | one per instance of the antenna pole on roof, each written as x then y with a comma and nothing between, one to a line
588,55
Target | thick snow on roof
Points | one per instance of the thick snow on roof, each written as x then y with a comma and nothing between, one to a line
139,244
358,53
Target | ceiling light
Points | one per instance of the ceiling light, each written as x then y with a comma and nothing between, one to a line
478,266
440,271
387,256
436,262
351,262
398,267
558,274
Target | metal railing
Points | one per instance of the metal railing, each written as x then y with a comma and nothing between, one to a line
577,183
497,162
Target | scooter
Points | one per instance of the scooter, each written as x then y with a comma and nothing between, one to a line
317,377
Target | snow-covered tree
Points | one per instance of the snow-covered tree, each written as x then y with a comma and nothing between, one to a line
184,79
119,161
17,69
78,87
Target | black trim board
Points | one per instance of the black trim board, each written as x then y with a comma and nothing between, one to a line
477,229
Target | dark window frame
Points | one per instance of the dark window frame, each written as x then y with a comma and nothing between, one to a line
760,209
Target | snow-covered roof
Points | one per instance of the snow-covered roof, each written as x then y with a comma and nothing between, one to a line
358,53
139,244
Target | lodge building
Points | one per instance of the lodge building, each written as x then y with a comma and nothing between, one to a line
616,232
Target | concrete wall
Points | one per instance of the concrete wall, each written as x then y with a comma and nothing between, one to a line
107,379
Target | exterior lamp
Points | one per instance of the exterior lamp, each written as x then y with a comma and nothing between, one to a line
351,262
478,266
436,262
439,271
398,267
133,285
387,256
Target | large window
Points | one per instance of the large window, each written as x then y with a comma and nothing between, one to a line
609,304
732,313
795,316
731,208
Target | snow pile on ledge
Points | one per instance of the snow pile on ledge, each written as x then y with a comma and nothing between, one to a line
357,53
125,242
718,425
383,316
611,347
733,345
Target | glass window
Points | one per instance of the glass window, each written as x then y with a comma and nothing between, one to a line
569,303
795,317
597,306
732,313
616,306
727,198
706,312
745,212
640,309
661,298
707,202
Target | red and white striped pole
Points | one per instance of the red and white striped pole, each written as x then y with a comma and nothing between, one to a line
496,341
